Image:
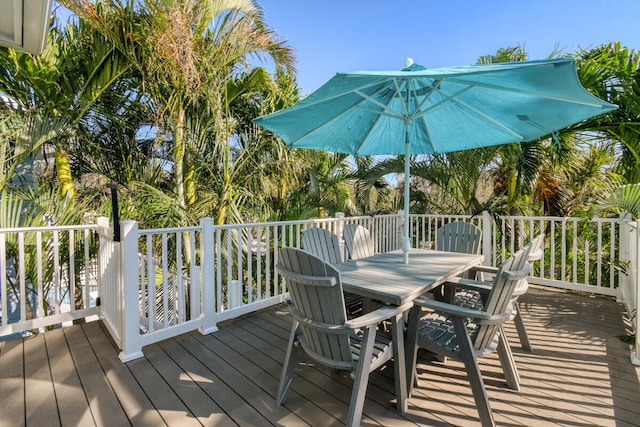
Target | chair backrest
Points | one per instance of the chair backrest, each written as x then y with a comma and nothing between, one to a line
459,236
511,274
317,304
323,244
358,241
536,248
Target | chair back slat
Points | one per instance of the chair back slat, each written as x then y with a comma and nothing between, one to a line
500,298
459,237
358,241
317,303
323,244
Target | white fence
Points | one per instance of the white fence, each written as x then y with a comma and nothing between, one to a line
159,283
48,277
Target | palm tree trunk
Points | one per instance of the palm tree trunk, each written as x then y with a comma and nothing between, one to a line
178,156
63,167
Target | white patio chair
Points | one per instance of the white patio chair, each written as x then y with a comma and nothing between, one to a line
459,236
325,245
320,327
474,293
465,334
358,241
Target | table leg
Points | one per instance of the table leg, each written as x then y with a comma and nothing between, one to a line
411,350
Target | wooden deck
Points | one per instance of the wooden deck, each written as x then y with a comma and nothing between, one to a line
579,374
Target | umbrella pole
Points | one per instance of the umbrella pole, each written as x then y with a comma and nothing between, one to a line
406,242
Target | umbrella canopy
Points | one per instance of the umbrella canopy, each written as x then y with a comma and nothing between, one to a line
422,111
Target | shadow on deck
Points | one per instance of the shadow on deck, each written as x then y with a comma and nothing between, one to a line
579,374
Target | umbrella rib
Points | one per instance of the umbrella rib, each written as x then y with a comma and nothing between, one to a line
525,92
489,119
446,99
357,105
308,104
428,133
379,104
452,98
380,114
436,86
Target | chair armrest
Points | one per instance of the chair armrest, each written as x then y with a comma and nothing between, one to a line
455,310
483,269
377,316
470,284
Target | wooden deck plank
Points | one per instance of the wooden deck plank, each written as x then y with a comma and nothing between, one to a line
182,380
265,372
246,398
578,374
73,407
12,383
105,407
40,407
378,406
131,396
172,410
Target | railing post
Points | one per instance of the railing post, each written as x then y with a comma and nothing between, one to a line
399,220
128,290
339,232
487,237
635,356
207,272
103,255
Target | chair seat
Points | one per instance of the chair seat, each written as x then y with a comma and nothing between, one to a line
437,330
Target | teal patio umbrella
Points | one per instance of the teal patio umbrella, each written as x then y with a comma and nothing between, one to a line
429,111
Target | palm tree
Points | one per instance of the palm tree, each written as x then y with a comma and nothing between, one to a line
56,92
187,53
612,72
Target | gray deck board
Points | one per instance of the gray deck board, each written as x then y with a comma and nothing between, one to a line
73,407
579,374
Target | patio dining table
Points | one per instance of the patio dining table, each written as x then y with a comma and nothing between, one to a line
385,277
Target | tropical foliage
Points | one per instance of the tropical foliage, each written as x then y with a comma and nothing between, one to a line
158,96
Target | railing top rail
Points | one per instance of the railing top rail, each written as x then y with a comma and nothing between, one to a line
613,219
448,215
277,223
50,228
542,218
169,230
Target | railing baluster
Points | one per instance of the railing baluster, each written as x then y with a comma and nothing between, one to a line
575,252
563,250
39,281
552,261
71,268
4,277
599,256
150,291
21,275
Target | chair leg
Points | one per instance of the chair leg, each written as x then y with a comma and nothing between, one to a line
411,352
287,366
473,372
361,378
507,361
399,363
522,331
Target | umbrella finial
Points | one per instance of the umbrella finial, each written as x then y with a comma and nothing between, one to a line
408,62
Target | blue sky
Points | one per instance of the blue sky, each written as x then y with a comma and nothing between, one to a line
329,36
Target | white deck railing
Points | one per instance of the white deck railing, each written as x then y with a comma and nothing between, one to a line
159,283
47,277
